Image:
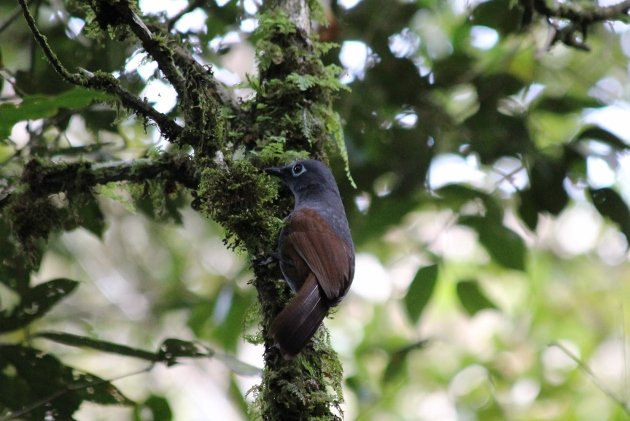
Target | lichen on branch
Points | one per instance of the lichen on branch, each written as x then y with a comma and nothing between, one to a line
55,196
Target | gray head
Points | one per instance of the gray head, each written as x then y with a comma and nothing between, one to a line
306,178
314,187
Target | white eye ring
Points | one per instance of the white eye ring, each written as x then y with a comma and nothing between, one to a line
298,169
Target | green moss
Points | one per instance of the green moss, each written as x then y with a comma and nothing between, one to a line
34,212
311,382
160,199
294,94
31,219
41,178
207,124
317,11
240,198
103,18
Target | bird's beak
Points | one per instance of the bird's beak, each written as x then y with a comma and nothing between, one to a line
275,171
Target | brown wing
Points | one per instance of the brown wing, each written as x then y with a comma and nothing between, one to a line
325,253
299,320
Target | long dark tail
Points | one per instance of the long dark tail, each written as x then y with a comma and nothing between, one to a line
298,321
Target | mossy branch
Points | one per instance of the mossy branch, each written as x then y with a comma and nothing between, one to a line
577,17
102,82
201,99
154,44
580,13
45,179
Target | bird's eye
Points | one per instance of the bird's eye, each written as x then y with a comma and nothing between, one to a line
298,169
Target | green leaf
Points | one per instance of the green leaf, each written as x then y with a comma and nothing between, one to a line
504,245
95,389
546,178
527,209
238,399
237,366
168,352
228,330
383,213
498,15
43,106
472,298
42,385
602,135
420,291
92,218
489,130
457,195
158,407
398,360
171,349
35,302
567,104
611,205
99,345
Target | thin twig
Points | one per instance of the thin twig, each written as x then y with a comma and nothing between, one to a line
612,395
4,25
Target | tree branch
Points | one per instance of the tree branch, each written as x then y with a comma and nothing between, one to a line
106,82
45,179
177,64
308,386
179,169
58,177
582,14
155,46
103,82
200,95
579,17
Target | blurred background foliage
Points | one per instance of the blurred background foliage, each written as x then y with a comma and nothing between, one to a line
491,221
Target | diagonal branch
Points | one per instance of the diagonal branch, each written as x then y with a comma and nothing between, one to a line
174,61
155,45
103,82
200,96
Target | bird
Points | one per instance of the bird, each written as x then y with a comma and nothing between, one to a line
315,253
